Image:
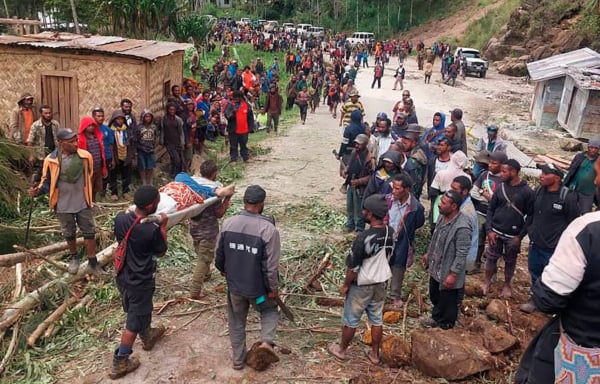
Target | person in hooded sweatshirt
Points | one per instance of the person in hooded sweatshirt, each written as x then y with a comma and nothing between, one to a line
352,130
124,153
90,139
390,165
433,135
144,140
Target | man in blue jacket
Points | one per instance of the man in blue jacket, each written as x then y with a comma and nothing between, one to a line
405,215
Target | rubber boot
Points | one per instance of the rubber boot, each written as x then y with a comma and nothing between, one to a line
122,365
151,336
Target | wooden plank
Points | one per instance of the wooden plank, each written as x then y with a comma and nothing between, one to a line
20,21
67,102
55,103
74,96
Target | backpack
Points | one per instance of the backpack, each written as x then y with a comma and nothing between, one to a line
376,269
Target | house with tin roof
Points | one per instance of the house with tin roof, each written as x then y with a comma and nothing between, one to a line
76,73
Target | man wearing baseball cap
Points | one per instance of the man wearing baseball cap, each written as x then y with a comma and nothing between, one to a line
581,175
67,178
554,209
247,254
357,174
350,106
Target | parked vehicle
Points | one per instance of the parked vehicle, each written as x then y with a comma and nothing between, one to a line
288,27
244,21
475,64
316,31
361,38
302,29
271,26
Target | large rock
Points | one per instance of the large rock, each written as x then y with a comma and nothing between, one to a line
453,354
512,67
571,145
496,310
395,352
495,339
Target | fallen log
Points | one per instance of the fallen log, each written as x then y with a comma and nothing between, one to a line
316,274
54,316
11,259
15,310
35,254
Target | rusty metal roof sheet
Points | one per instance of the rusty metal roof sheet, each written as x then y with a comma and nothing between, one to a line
585,78
143,49
557,66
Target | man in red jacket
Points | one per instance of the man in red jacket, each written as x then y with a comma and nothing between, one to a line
90,139
239,120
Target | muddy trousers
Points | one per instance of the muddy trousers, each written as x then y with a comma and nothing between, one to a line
237,312
272,121
445,304
205,250
396,282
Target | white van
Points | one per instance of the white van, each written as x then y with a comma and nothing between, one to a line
271,26
288,27
316,31
302,29
361,38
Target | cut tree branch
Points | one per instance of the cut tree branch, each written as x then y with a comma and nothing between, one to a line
315,275
14,258
54,316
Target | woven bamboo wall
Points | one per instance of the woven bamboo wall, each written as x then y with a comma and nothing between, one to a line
168,68
19,74
105,81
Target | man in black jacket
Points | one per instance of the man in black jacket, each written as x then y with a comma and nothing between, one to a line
357,174
554,208
581,175
569,343
136,280
505,226
247,254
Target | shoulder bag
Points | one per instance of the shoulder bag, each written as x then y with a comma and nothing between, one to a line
121,251
375,269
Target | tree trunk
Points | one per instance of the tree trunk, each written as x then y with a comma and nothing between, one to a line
75,20
14,258
29,301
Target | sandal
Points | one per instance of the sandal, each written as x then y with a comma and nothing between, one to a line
368,354
336,351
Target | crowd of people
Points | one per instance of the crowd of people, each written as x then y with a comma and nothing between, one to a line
477,215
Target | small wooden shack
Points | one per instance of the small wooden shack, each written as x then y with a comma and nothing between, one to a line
579,111
74,73
549,77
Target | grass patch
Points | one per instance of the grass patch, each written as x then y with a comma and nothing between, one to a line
479,32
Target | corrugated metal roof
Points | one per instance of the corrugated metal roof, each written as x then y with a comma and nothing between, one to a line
585,78
143,49
556,66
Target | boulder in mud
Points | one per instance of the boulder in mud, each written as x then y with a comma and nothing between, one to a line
260,357
495,339
395,352
451,354
571,145
496,310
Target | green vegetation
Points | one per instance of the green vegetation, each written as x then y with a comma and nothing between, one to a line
479,33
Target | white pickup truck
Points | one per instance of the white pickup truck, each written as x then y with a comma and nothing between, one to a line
475,64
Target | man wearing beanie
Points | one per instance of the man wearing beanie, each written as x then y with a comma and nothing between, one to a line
247,254
366,296
145,243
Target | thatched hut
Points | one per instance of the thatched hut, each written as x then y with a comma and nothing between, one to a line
75,73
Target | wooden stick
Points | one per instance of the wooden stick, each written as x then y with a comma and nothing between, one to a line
404,316
509,318
11,348
40,256
11,259
419,298
49,332
314,310
315,275
83,302
200,312
54,316
18,281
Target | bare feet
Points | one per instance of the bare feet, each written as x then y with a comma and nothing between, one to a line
372,356
485,288
506,292
398,303
337,352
